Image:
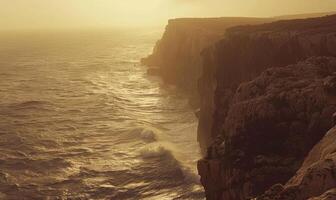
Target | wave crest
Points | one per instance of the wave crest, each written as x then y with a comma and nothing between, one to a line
148,135
159,151
154,151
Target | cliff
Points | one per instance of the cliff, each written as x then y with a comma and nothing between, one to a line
270,124
315,180
245,52
177,56
242,55
304,15
267,96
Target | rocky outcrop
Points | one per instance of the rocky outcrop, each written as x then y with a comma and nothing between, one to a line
177,56
316,179
266,127
245,52
256,123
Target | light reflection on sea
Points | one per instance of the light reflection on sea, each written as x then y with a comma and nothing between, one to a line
81,119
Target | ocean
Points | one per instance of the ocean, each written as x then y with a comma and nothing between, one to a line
81,119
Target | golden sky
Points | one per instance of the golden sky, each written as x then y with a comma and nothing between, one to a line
40,14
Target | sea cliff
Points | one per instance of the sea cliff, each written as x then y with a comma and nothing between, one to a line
315,180
266,90
177,56
245,52
266,100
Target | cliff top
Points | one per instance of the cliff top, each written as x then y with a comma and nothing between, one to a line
198,20
304,15
225,22
319,24
211,19
215,24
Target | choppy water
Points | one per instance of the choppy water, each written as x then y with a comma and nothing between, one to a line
81,119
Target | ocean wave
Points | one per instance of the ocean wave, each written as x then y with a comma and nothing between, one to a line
32,105
155,151
161,151
86,128
83,81
36,165
121,62
147,135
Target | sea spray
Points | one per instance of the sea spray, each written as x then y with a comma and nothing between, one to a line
164,150
84,125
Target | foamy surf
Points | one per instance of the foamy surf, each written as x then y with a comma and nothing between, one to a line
89,123
148,135
166,151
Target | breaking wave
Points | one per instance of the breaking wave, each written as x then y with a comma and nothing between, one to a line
89,123
148,135
161,151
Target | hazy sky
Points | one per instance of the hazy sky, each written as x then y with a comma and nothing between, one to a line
21,14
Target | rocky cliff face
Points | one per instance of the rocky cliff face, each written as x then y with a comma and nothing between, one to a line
266,126
267,96
316,179
177,56
245,52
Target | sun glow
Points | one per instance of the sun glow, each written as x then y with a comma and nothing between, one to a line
23,14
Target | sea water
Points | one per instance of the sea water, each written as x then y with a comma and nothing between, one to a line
81,119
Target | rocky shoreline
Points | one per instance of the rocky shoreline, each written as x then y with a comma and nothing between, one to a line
267,98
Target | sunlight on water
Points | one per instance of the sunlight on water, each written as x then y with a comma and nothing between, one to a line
81,119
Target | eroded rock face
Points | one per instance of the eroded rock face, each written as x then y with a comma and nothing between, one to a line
329,195
316,179
271,124
245,52
178,54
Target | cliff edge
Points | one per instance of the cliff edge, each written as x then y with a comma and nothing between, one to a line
267,97
271,124
177,56
245,52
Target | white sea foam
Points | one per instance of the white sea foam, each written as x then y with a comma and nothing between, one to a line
166,151
88,122
148,135
156,150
